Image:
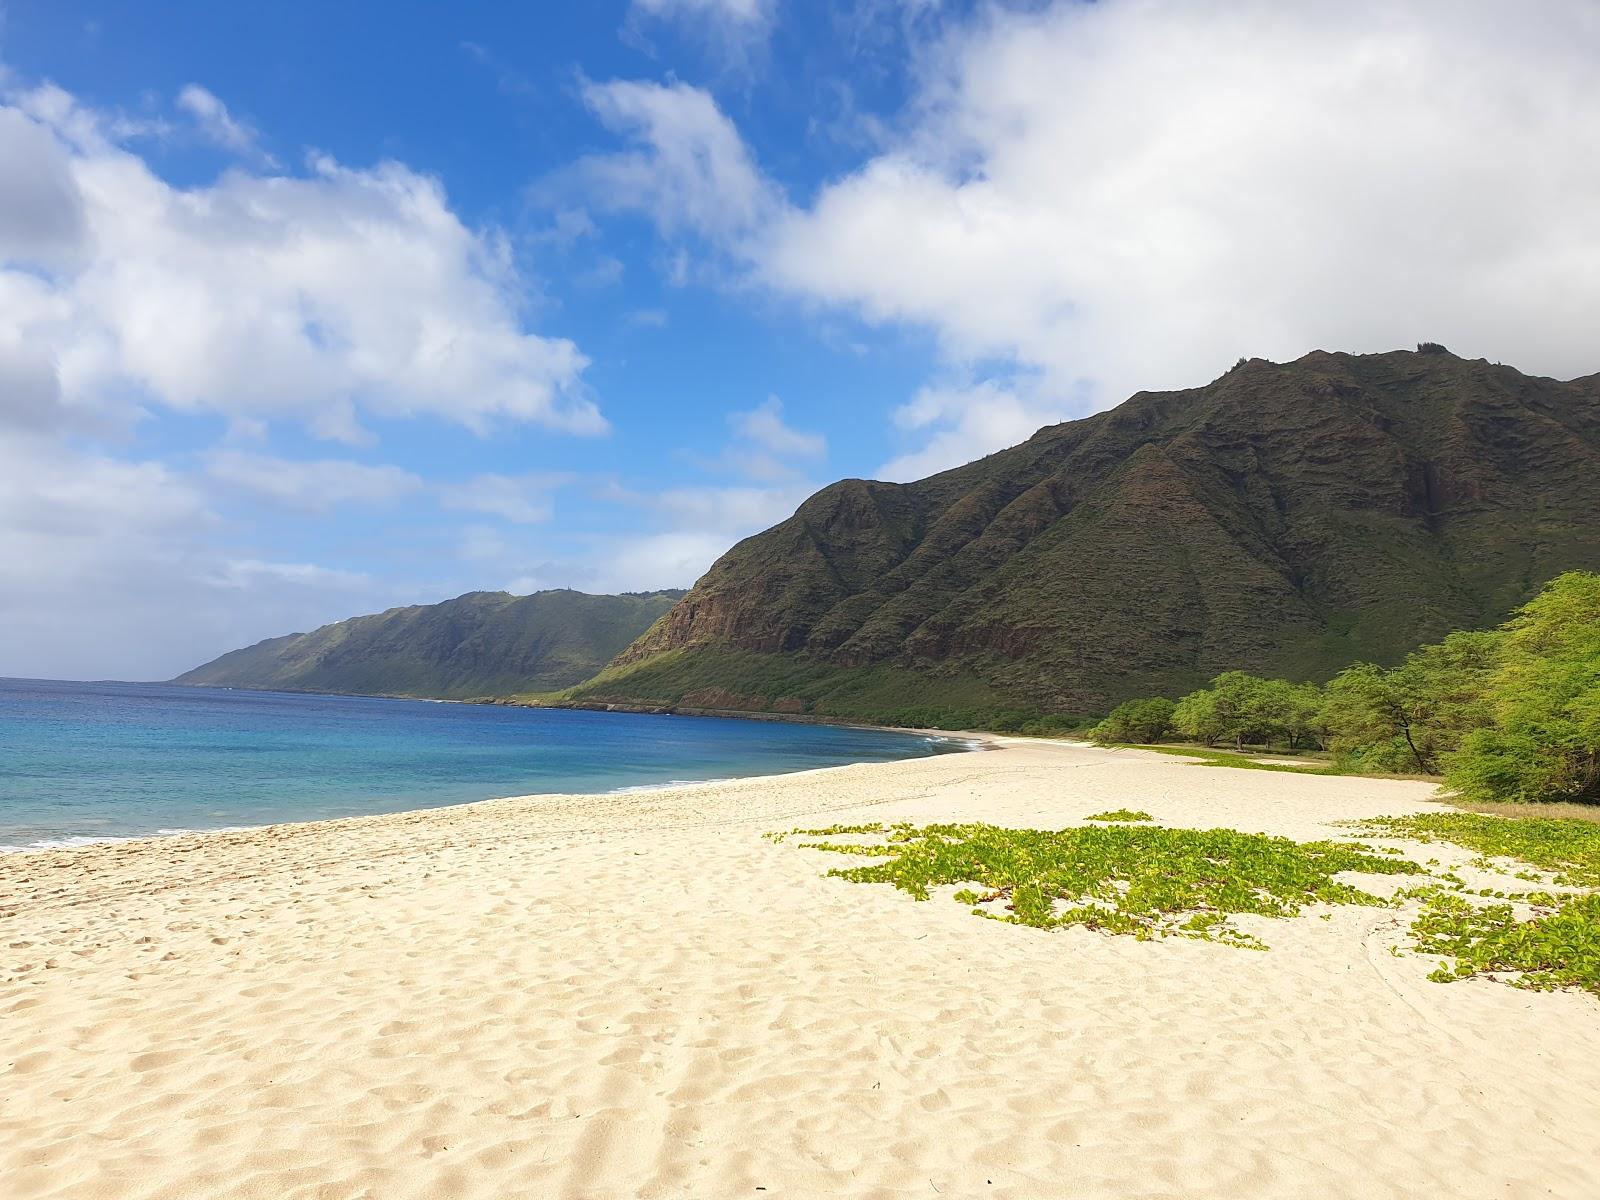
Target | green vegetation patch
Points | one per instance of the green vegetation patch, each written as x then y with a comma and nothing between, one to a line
720,677
1558,947
1568,848
1146,881
1121,814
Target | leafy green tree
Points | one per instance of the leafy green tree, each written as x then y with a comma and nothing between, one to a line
1412,716
1282,711
1244,708
1302,717
1544,697
1136,721
1235,694
1195,716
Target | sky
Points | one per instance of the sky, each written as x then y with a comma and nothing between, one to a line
310,310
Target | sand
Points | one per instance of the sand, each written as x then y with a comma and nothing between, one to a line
638,996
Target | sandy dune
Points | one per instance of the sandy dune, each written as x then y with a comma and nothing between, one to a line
637,995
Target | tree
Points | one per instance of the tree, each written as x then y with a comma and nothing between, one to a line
1410,717
1196,718
1544,698
1303,717
1136,721
1239,708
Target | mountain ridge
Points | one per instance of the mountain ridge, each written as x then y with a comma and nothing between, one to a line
475,645
1287,518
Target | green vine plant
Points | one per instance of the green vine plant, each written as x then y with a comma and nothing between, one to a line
1148,881
1553,942
1144,881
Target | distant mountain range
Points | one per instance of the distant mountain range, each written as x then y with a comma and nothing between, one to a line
1286,519
478,645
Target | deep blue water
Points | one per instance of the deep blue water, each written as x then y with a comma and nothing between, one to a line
99,760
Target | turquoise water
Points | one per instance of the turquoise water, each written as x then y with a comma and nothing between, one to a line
87,761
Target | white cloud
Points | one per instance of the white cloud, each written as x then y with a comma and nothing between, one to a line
958,423
323,299
113,570
690,172
41,212
1133,194
524,499
219,126
764,447
734,30
315,485
731,512
673,558
317,299
30,397
694,527
1137,193
764,426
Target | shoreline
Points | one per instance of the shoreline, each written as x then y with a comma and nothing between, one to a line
638,994
641,710
974,743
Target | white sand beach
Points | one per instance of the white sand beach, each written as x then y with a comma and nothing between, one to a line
638,996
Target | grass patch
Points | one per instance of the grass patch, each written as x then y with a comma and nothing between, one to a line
1121,814
1538,809
1229,758
1144,881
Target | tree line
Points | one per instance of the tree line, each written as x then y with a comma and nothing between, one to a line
1506,714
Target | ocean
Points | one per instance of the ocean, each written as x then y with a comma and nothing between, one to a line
82,762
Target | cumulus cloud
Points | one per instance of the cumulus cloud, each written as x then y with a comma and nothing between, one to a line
689,172
668,536
41,210
30,397
1137,193
314,485
322,299
317,299
694,526
1133,194
244,574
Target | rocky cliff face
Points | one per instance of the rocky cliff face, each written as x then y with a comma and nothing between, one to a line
1285,519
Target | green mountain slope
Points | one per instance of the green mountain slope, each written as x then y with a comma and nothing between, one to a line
1285,519
480,644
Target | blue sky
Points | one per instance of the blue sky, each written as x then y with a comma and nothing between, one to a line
307,310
